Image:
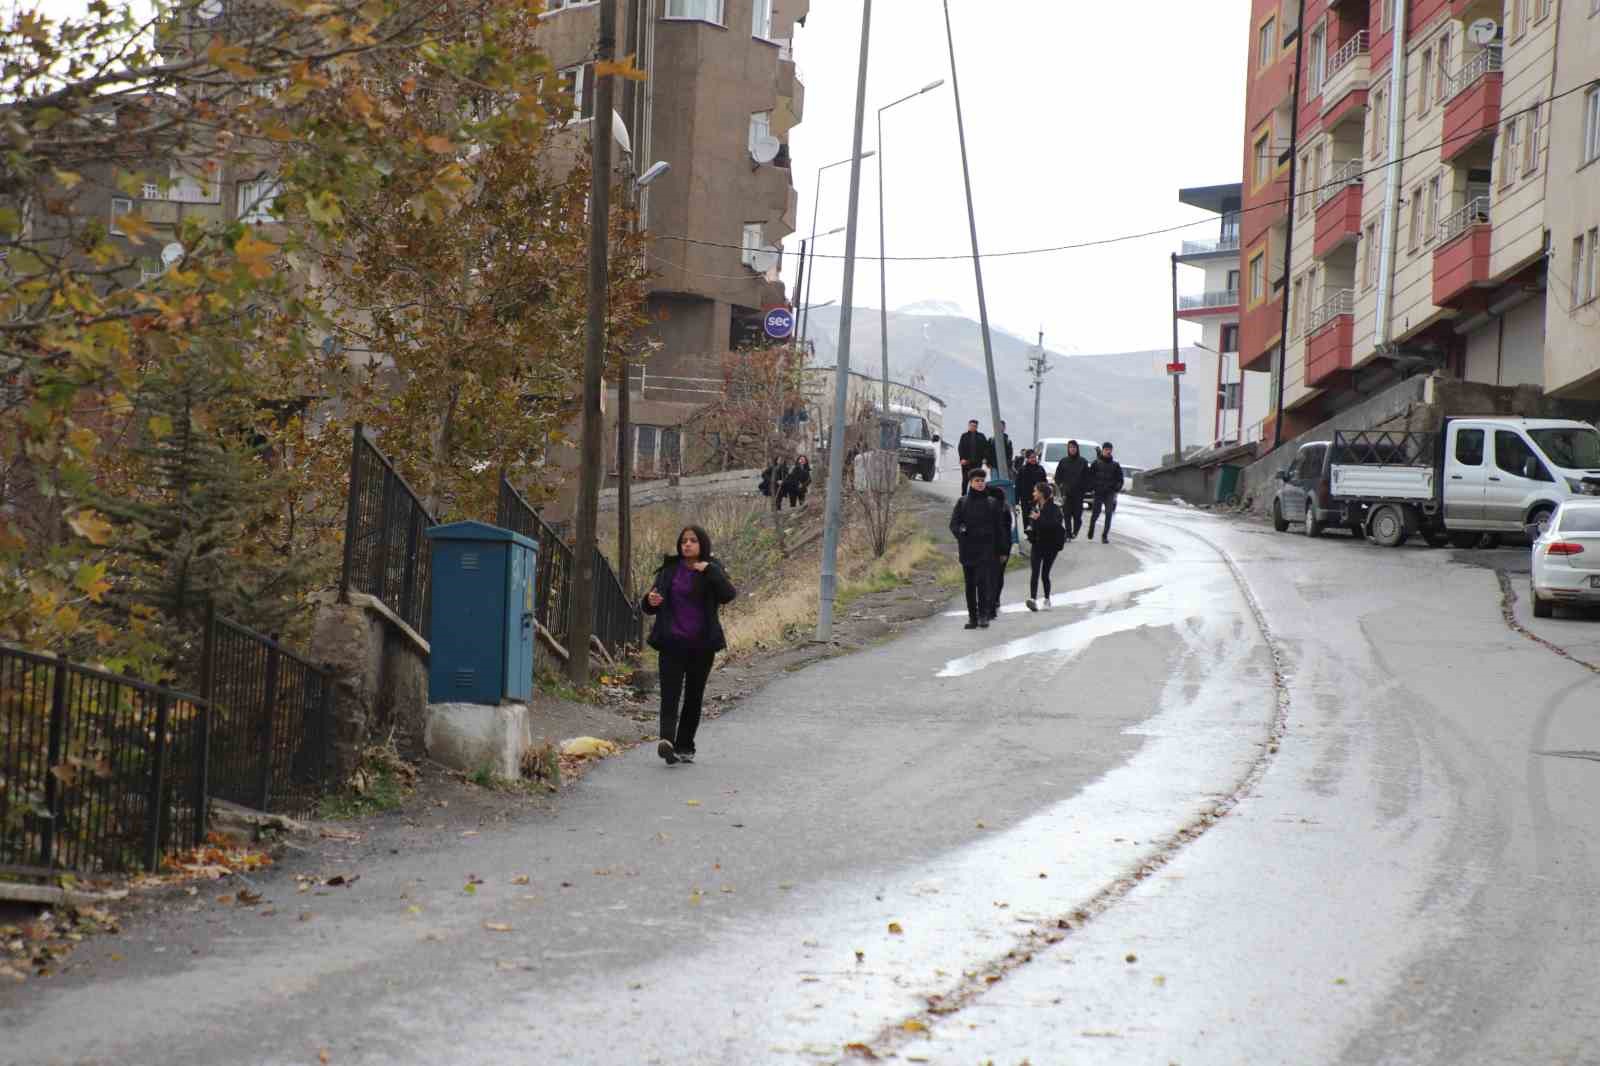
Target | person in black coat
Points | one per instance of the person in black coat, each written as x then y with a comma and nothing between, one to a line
1072,481
1031,474
1002,552
1048,532
688,591
798,482
1105,479
1003,441
972,449
979,525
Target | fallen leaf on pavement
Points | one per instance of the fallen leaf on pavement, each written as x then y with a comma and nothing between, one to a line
727,889
323,1056
912,1025
497,927
1159,981
861,956
520,879
588,748
692,803
694,897
413,909
894,928
340,879
861,1051
1131,958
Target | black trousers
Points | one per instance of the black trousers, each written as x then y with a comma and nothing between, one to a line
1042,561
1072,511
980,589
1108,504
998,577
683,676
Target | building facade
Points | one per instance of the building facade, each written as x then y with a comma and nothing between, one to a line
720,98
1233,411
1419,230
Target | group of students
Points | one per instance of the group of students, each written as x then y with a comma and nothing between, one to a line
786,481
981,522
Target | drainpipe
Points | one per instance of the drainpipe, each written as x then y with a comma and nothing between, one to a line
1391,192
1288,232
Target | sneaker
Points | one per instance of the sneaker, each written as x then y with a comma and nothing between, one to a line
1032,604
686,756
665,750
1047,603
1105,538
970,625
983,624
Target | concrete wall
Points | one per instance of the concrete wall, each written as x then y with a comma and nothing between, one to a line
381,668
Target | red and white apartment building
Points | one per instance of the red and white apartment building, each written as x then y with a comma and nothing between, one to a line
1445,204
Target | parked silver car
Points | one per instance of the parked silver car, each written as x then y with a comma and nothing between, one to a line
1566,558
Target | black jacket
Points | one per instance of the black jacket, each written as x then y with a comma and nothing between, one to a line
1049,531
998,494
711,586
1105,477
982,528
994,459
1030,475
973,447
799,476
1072,474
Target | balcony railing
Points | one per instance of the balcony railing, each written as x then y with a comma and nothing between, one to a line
1342,177
1215,298
1474,213
1474,70
1341,302
1215,244
1355,46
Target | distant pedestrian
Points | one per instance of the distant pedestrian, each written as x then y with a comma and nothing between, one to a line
1048,532
979,524
972,450
688,591
798,482
1105,480
1030,474
1002,552
1000,449
1072,481
767,487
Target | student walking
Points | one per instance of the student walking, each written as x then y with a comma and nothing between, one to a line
688,591
798,482
1030,474
1002,552
1001,455
972,449
979,524
1105,478
1072,479
1048,533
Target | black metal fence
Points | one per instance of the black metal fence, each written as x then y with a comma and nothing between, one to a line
616,617
98,773
386,552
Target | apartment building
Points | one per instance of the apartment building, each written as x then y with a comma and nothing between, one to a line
1416,233
1572,208
721,97
1233,411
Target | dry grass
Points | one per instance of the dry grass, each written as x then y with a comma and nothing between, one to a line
741,535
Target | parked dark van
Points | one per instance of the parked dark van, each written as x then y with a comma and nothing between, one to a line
1305,492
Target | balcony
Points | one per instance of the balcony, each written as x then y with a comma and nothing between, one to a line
1339,209
1348,71
1461,259
1472,108
1215,302
1259,330
1330,336
1227,242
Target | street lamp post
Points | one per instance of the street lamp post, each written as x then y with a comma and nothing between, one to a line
883,254
624,428
808,268
816,202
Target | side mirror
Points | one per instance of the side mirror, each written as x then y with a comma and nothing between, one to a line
1533,532
1283,476
936,438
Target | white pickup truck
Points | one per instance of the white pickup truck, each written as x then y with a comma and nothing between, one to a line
1477,475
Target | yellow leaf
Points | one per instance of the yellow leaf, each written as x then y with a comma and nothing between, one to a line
230,57
324,207
68,179
160,426
894,927
83,440
253,253
133,227
622,68
912,1025
588,748
91,526
439,145
692,803
90,580
497,927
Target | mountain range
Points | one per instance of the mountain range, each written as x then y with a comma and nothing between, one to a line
1124,397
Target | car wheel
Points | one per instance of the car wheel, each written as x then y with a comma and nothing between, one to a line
1389,527
927,471
1542,608
1541,518
1465,541
1280,523
1312,527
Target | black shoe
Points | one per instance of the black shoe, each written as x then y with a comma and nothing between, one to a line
1033,604
1105,538
970,625
665,750
686,756
984,624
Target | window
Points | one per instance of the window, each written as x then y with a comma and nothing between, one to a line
1424,81
1575,449
578,83
149,270
754,238
1317,64
1230,337
644,449
1258,277
1530,144
760,127
1541,10
1233,281
1414,240
1513,455
1319,167
1580,292
1378,114
1267,44
1508,151
119,207
199,187
761,19
1369,247
1305,185
1441,88
1388,15
1591,265
1231,397
1296,302
256,199
1435,192
1263,158
1469,447
704,10
1519,17
152,191
1591,123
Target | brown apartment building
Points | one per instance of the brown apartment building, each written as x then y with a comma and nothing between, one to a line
1438,172
721,88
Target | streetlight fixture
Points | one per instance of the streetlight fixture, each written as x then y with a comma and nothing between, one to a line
883,254
816,202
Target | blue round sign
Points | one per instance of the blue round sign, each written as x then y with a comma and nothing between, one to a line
779,323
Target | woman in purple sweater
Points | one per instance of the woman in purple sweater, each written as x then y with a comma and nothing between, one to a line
689,589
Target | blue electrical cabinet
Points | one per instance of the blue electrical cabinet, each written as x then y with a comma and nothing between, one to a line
481,625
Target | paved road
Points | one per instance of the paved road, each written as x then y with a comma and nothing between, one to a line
1242,797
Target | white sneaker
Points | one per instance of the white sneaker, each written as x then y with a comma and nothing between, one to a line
1047,603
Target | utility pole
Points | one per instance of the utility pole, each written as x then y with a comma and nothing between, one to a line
799,304
1172,371
841,373
591,458
1288,230
972,224
1038,366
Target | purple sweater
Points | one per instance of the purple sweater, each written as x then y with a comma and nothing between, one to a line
688,613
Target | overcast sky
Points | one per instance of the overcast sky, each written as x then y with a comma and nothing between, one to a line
1083,121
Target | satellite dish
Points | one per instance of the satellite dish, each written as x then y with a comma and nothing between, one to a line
210,9
171,254
1483,31
765,149
766,260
